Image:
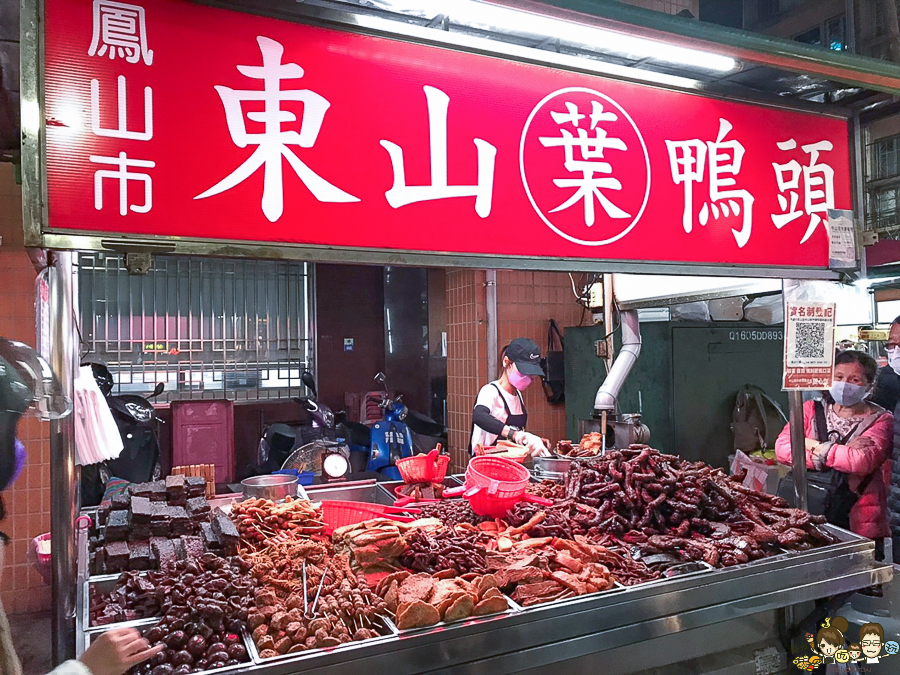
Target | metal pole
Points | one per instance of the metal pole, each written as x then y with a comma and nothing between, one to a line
63,490
608,301
490,303
798,449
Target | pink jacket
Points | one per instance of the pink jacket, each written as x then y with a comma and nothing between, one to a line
869,517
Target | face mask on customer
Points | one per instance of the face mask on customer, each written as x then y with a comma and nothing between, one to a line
847,394
894,359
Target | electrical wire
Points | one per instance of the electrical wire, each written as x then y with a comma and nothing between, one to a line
574,291
618,322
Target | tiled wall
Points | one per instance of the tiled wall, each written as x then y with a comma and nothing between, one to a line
466,356
27,502
526,301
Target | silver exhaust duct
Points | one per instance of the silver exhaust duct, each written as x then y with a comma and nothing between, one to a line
607,399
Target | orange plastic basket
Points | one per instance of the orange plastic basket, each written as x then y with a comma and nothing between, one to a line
422,469
338,513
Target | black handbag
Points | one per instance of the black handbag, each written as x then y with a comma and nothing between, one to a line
554,366
828,490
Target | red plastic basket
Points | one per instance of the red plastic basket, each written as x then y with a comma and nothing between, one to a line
501,478
338,513
423,468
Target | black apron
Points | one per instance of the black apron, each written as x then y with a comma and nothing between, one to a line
511,420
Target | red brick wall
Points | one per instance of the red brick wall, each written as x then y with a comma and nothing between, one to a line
526,301
28,501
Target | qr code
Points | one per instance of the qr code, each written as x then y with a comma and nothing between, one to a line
810,339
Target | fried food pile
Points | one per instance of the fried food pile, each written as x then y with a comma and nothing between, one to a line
420,600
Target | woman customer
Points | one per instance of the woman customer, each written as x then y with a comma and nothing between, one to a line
499,409
859,438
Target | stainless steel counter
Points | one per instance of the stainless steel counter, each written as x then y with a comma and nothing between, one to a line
720,610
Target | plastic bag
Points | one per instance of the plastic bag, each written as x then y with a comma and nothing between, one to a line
768,310
690,311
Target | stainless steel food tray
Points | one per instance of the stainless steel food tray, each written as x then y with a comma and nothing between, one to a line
512,607
90,636
386,626
357,491
389,486
104,583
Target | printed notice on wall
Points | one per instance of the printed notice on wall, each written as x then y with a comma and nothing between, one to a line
808,345
841,240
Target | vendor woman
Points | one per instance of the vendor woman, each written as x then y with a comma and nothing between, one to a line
499,409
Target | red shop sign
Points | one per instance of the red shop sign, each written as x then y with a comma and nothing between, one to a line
166,118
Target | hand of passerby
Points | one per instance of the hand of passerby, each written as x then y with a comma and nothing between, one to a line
115,651
820,456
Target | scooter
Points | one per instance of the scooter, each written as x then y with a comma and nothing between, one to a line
136,420
280,440
321,417
391,439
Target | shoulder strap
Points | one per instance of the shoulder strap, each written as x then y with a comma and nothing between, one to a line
503,399
821,424
864,483
552,328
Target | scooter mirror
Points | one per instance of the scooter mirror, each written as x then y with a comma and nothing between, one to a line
309,381
158,389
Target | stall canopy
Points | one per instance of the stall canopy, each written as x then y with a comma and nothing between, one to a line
385,132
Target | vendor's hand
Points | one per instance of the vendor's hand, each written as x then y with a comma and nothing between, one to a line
115,651
535,445
811,443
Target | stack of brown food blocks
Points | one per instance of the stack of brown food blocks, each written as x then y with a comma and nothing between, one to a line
153,525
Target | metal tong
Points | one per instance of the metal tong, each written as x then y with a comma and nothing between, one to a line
309,613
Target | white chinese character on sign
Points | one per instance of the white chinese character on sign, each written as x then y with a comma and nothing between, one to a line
124,176
688,161
590,160
120,29
818,181
402,194
272,144
122,130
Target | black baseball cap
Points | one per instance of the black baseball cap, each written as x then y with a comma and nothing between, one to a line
526,355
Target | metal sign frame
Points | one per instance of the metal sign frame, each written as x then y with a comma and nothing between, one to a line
35,183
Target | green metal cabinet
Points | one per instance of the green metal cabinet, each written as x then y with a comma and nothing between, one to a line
687,376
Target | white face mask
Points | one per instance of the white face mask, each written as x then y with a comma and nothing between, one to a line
847,393
894,359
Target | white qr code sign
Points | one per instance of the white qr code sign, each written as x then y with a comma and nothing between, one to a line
808,345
